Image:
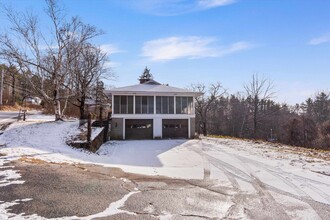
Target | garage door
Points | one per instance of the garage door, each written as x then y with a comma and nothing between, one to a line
138,129
175,128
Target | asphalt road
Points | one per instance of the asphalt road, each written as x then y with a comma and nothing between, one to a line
82,191
94,192
7,115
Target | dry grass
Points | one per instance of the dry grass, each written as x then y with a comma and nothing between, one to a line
33,160
309,152
17,107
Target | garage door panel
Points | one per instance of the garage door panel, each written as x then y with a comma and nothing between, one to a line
175,128
138,129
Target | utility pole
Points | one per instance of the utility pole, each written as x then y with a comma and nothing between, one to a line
1,90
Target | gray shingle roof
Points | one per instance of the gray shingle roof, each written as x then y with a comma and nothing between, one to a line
151,89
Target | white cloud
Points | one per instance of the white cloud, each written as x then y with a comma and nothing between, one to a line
320,40
188,47
110,49
235,47
175,7
294,92
214,3
111,64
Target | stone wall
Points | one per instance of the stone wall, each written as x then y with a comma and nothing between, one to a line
93,146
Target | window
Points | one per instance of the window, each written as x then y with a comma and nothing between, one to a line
165,105
139,125
144,104
123,104
184,105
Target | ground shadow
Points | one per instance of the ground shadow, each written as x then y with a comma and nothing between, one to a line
138,152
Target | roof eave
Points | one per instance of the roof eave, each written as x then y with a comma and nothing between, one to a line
195,94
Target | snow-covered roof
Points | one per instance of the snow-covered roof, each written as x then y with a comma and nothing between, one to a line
148,88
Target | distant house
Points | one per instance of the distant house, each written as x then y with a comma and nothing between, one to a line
151,110
33,100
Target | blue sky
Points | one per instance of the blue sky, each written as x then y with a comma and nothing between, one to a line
190,41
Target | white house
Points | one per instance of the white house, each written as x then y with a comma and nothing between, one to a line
151,110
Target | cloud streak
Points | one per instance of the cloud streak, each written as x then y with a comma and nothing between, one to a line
175,7
165,49
206,4
320,40
110,49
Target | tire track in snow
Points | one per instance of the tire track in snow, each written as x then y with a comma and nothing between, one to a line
265,197
302,196
284,176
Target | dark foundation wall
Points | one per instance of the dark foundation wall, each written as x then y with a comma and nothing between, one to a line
116,129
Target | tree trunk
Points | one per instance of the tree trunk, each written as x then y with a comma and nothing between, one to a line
82,108
57,105
13,99
255,117
204,129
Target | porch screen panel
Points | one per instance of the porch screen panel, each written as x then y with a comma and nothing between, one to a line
158,105
116,103
130,104
144,104
184,105
138,104
178,104
165,105
123,104
190,105
171,105
150,104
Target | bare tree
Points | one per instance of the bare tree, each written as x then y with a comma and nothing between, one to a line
45,58
204,102
259,90
88,69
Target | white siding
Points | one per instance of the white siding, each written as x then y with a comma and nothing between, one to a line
158,132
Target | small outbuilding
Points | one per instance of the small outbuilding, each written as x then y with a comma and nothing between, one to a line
151,110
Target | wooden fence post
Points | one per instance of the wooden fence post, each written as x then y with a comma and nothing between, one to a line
24,115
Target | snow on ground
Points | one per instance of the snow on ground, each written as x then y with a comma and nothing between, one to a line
289,176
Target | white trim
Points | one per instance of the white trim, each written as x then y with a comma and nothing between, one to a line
134,104
112,105
124,128
146,93
174,104
151,116
155,105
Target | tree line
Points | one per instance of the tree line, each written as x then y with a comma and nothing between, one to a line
255,115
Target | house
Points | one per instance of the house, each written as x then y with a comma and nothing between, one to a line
150,110
33,100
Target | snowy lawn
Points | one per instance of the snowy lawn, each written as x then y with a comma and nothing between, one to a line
232,163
